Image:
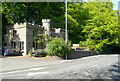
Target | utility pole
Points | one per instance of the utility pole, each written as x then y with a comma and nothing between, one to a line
66,27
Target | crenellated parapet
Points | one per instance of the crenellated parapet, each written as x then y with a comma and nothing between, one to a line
20,23
46,20
17,25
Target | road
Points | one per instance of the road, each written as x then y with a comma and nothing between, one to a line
92,67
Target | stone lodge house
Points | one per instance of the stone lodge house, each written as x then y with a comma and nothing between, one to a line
21,36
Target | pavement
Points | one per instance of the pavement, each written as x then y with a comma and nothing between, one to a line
92,67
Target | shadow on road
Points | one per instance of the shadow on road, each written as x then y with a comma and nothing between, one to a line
115,71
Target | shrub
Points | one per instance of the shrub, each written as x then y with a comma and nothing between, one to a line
29,53
68,47
82,44
91,44
57,47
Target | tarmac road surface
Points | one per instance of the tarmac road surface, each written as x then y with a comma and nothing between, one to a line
92,67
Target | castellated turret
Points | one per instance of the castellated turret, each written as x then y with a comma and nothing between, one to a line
46,25
19,25
46,20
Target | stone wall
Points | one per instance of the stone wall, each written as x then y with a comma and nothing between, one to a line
32,31
58,33
78,54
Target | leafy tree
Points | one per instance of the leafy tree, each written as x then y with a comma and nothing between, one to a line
77,16
102,26
57,47
95,24
43,39
33,12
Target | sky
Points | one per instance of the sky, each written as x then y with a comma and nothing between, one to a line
115,7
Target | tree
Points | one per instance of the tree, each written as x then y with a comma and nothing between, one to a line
43,39
93,23
33,12
77,16
102,26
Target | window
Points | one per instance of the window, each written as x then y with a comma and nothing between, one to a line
21,45
36,33
14,32
36,45
5,44
13,44
33,44
7,31
33,33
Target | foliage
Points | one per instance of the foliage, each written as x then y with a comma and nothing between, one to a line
77,16
43,39
68,47
82,44
102,26
29,53
93,24
33,12
57,47
87,43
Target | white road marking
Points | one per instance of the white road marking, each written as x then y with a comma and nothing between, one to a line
14,72
13,75
36,68
36,73
67,60
29,74
22,71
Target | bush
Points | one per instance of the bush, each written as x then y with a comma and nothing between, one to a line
29,53
91,44
57,47
68,47
82,44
